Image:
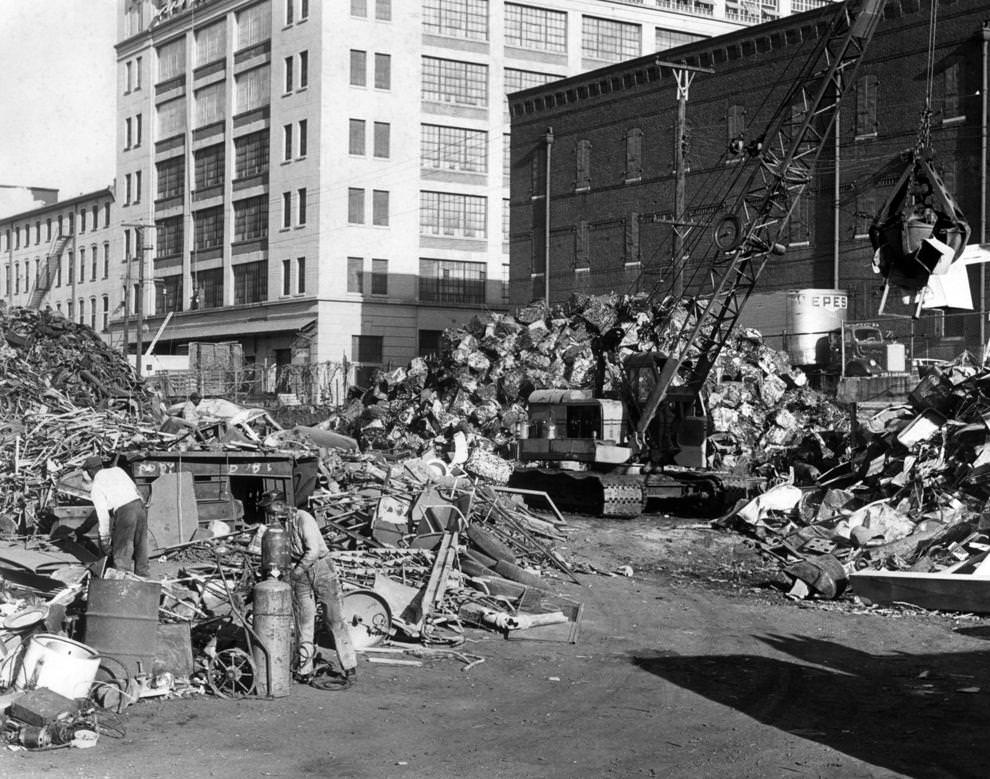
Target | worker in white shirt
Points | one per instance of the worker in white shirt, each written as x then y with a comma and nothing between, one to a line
121,516
314,580
190,410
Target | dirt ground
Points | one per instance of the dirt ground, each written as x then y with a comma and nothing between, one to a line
695,666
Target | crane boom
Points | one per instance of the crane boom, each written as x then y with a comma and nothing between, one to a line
787,152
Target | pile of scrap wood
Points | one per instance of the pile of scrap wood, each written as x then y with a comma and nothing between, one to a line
905,515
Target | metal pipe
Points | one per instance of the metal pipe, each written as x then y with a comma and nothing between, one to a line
836,193
546,237
983,183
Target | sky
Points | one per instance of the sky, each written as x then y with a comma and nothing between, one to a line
57,94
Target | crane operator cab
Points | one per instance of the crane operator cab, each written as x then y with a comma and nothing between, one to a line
678,433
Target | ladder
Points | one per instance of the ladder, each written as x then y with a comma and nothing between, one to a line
46,275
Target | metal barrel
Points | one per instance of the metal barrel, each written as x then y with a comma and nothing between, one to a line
121,621
273,628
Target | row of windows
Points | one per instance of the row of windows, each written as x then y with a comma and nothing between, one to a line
542,29
132,131
295,72
132,75
250,224
295,137
359,69
250,285
50,274
381,138
19,236
132,188
250,159
383,9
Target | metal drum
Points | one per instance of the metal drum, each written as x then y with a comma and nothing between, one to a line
122,621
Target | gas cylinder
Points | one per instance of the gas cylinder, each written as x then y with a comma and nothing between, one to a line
273,628
275,552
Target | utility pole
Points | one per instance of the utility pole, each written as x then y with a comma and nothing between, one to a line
546,237
140,249
684,76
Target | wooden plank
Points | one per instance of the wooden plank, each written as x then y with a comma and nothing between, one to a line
933,591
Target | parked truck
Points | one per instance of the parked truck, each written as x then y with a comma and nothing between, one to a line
812,327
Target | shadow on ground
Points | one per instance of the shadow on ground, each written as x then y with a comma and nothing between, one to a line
923,715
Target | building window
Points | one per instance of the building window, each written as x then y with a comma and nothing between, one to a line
286,210
301,195
251,154
300,275
735,122
137,191
137,129
452,81
359,68
634,154
669,39
82,264
208,228
367,349
106,215
253,89
303,139
359,8
454,148
82,225
128,133
383,71
172,59
867,89
379,277
286,277
952,90
209,288
92,313
250,282
452,281
254,25
303,69
82,311
355,274
303,10
582,180
382,141
211,43
251,219
288,66
106,312
798,227
168,293
95,262
467,19
70,310
355,206
449,214
127,77
379,208
631,239
210,104
429,342
209,166
171,118
356,136
605,39
286,142
106,260
48,229
535,28
171,178
517,80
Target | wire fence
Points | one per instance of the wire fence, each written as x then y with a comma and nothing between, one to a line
318,384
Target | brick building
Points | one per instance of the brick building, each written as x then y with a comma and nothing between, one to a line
612,181
59,254
328,180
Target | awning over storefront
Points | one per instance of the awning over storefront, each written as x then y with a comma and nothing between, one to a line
218,325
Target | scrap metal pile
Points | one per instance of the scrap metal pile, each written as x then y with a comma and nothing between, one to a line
484,372
912,495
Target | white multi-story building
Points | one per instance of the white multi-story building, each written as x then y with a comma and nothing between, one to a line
328,180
